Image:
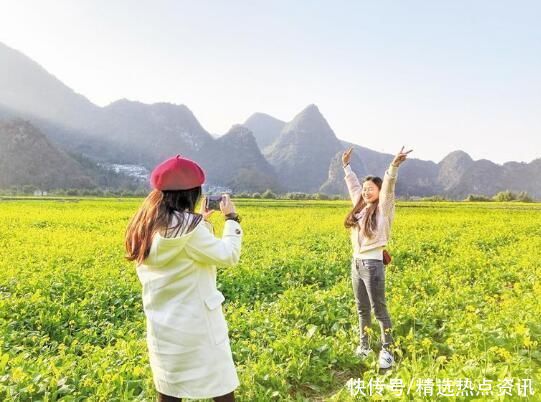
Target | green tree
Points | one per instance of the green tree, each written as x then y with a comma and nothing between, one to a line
321,196
268,194
504,196
477,197
524,197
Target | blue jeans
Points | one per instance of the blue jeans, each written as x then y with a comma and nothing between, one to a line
368,280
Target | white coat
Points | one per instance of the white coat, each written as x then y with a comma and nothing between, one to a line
187,335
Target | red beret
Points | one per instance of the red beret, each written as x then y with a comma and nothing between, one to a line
177,173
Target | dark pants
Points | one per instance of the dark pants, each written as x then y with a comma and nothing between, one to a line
368,279
224,398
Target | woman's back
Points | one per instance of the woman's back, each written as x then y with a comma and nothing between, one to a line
186,328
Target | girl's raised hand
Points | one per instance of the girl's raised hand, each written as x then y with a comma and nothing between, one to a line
400,157
226,205
204,211
346,157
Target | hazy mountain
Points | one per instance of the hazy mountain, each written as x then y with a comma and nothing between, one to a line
234,160
486,177
302,153
523,177
124,131
266,129
146,134
5,112
25,86
27,157
482,177
452,168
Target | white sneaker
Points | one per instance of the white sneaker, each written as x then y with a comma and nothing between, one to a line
362,351
386,359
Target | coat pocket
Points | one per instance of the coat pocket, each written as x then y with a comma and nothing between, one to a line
218,325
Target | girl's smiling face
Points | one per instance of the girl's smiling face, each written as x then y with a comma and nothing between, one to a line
370,192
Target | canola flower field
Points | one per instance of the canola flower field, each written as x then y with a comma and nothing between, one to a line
463,293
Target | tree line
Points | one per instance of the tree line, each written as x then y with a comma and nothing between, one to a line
142,191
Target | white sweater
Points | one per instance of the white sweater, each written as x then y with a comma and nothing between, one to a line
364,247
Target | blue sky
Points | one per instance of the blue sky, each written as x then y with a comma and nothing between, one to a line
434,76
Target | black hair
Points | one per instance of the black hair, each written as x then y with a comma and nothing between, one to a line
179,201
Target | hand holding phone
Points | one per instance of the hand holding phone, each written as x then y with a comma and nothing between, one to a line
226,205
212,202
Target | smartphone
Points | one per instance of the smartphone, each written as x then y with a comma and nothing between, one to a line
213,202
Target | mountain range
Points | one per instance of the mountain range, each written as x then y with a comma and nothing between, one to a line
40,114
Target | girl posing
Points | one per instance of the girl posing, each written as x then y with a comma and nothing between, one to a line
370,223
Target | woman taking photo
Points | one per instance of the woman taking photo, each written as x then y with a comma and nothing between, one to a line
176,254
370,223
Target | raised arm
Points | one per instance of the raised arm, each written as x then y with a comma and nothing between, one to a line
208,249
386,195
352,182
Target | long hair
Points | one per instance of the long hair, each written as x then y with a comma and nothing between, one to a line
369,222
155,215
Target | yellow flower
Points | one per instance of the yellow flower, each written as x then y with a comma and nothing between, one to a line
87,382
18,374
426,343
520,329
501,352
